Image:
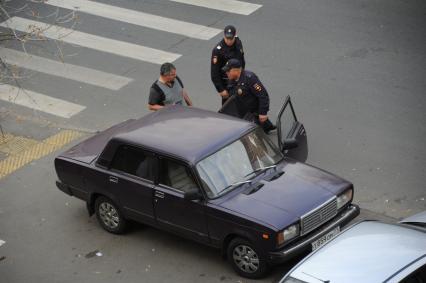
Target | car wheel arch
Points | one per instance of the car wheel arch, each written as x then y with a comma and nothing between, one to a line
92,200
228,239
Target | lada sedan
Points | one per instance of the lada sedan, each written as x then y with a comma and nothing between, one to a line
212,178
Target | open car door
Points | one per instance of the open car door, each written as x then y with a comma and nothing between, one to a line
291,134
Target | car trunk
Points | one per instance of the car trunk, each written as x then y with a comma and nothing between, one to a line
88,150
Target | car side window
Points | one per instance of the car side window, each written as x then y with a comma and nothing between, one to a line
175,175
134,161
418,276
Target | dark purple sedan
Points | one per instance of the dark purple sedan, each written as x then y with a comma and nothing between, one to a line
212,178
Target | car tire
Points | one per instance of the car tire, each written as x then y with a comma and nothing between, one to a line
245,259
109,216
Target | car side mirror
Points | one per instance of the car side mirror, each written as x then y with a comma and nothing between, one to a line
290,143
193,194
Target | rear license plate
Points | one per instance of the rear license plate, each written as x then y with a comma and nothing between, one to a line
324,239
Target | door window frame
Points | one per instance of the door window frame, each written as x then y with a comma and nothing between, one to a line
190,171
278,124
128,175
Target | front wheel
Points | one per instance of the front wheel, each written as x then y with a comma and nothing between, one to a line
109,216
245,259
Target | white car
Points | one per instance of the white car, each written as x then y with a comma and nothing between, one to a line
369,251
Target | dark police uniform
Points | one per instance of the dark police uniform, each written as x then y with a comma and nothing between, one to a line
220,55
250,93
251,98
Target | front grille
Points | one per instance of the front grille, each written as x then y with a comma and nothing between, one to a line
318,216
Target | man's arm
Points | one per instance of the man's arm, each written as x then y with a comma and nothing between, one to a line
215,69
156,100
241,49
260,92
186,97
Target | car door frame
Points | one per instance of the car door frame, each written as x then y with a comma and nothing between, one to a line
137,181
294,144
200,235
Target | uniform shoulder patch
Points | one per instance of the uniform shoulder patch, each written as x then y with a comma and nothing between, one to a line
214,60
219,47
257,87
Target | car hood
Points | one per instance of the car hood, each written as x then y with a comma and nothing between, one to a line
361,254
282,201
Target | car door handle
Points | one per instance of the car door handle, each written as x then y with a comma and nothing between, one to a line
113,179
159,194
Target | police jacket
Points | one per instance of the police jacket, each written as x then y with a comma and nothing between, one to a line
220,55
250,93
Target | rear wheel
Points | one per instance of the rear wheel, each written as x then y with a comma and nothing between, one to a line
109,216
245,259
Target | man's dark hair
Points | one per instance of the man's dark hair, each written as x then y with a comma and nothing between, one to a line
166,68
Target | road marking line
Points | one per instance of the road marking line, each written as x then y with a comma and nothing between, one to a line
137,18
2,242
37,151
64,70
230,6
100,43
38,101
10,144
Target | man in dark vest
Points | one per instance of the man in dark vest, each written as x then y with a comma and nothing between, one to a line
230,47
168,89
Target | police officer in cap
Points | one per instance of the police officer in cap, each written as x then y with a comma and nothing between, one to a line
250,94
230,47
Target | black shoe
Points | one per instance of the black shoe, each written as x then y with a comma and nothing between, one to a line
270,128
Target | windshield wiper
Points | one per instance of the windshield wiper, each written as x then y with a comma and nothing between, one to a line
237,184
261,169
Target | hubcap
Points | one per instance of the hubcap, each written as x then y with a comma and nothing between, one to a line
109,215
246,258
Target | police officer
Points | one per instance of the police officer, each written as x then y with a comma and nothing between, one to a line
250,94
230,47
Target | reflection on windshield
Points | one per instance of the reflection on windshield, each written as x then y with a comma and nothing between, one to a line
235,162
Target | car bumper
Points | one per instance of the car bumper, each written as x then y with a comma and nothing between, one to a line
64,188
304,245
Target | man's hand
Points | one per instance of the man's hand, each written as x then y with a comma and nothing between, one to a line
224,93
263,118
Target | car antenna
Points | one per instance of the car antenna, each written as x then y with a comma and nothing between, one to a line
325,281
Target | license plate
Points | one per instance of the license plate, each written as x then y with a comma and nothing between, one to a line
324,239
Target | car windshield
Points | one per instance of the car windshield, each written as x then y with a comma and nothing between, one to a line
237,162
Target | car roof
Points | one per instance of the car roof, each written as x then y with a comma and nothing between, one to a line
369,251
188,133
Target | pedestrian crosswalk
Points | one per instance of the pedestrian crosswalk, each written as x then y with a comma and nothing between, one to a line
138,18
231,6
47,103
100,43
64,70
38,101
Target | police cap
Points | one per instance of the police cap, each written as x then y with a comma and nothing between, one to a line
231,64
229,31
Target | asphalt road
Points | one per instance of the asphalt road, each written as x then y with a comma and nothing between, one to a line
356,73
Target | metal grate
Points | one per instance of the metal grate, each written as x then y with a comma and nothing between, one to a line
318,216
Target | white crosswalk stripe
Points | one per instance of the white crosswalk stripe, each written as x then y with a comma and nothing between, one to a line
38,101
137,18
231,6
112,46
64,70
2,242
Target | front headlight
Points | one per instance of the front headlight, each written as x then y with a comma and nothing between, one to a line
288,234
344,198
